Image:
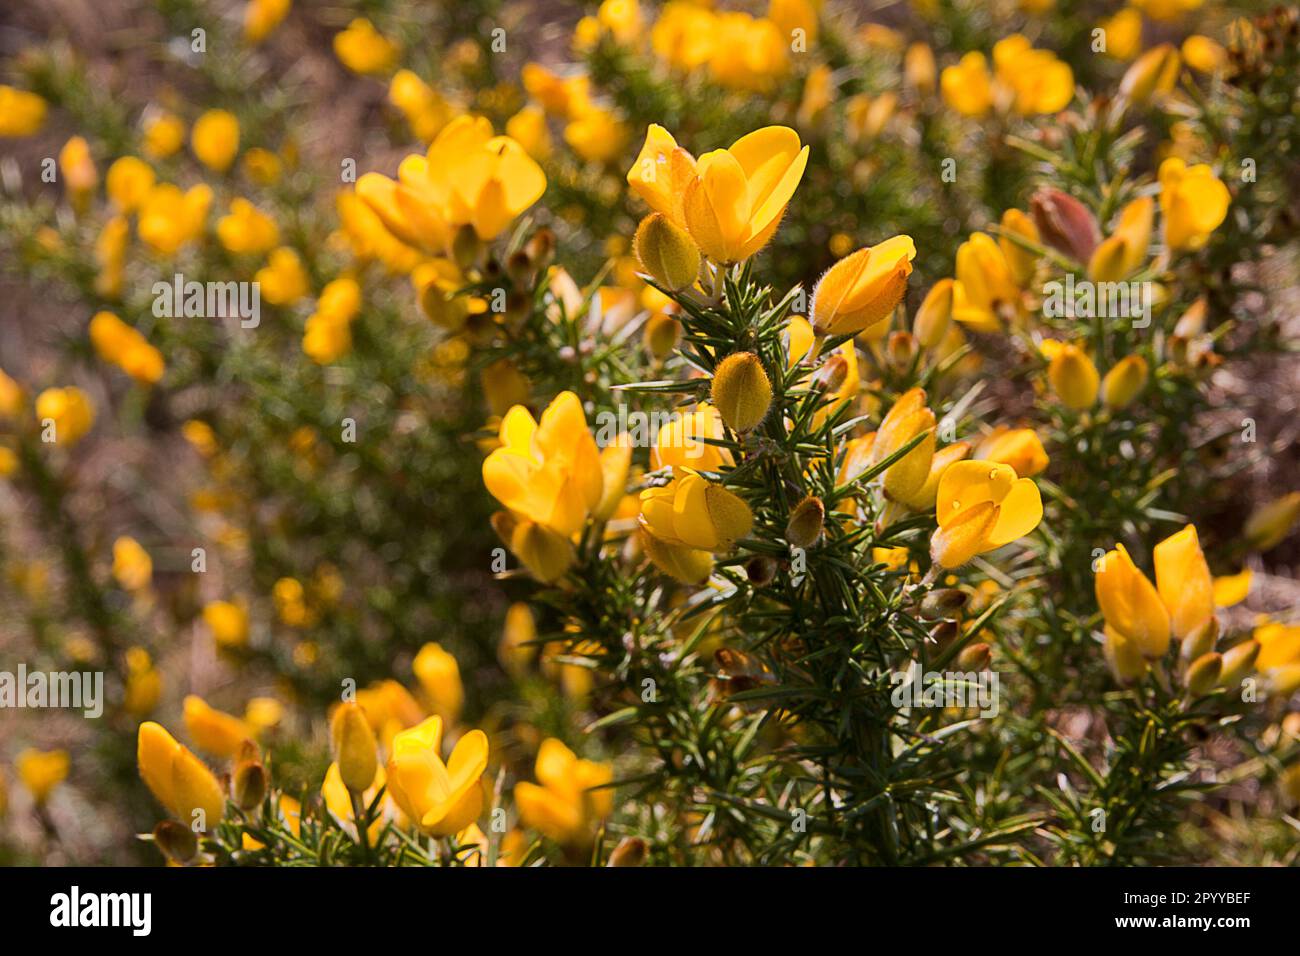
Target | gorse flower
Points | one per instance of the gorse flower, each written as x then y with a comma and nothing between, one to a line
730,200
980,506
862,290
215,139
693,512
548,477
123,346
180,780
1025,80
439,798
41,771
1193,203
570,796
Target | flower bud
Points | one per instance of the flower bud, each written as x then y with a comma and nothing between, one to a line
975,657
806,522
933,318
1021,261
667,252
832,374
919,69
741,391
1124,381
1064,223
944,634
249,781
662,333
1073,377
176,841
862,289
631,851
540,249
1271,522
687,565
761,570
1155,71
1203,674
466,247
520,269
900,349
354,747
1238,662
1199,641
943,604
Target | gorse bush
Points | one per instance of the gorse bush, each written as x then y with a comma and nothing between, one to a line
681,435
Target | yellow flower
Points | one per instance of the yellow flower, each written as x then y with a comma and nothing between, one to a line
262,166
132,566
283,279
919,68
1072,376
441,799
164,134
21,113
339,803
439,675
622,18
907,418
558,96
118,343
143,683
597,135
468,178
12,397
1279,645
967,86
1232,588
1021,448
1183,582
548,472
1131,604
247,229
731,200
528,129
180,781
683,36
980,506
215,139
985,286
1040,83
70,412
363,49
1123,34
1272,521
517,649
861,290
41,771
169,218
261,17
748,53
1193,203
354,747
214,731
1124,382
228,623
1124,252
1203,54
127,182
933,317
78,170
695,513
110,255
1123,657
563,805
684,564
425,109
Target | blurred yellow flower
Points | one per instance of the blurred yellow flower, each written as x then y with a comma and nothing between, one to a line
128,182
439,675
170,218
564,804
41,771
363,49
143,683
118,343
1272,521
261,17
228,623
68,411
283,280
247,229
215,139
1021,448
78,170
21,113
214,731
1193,202
132,566
1072,375
164,134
